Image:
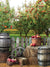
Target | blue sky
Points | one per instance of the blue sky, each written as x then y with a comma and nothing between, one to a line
16,3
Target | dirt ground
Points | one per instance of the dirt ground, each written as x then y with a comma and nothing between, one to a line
5,65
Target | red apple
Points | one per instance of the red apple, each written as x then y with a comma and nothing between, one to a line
33,45
5,26
32,8
5,7
11,26
13,60
32,37
40,0
26,10
37,14
8,19
35,10
2,25
9,59
46,0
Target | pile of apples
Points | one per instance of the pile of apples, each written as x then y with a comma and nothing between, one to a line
36,36
11,60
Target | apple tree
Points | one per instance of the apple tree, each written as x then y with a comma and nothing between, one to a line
6,15
41,16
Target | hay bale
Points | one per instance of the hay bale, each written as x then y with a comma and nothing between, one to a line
33,60
26,53
30,51
31,54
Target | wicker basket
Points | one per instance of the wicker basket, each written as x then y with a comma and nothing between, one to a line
11,63
36,41
8,62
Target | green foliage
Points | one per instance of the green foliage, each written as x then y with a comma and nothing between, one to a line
6,15
41,16
34,17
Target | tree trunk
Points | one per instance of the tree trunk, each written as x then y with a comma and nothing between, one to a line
20,34
47,33
39,34
25,34
1,31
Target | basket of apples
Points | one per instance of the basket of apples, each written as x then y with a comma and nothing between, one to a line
11,60
36,40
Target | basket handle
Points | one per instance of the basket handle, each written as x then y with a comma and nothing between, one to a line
11,55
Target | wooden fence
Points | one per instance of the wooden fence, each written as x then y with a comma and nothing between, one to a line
23,42
26,41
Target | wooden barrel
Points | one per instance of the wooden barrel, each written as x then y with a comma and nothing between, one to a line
44,55
3,56
5,43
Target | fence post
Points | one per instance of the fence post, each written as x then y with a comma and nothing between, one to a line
44,41
22,42
13,43
29,40
17,42
26,42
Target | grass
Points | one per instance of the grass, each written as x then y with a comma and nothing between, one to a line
29,35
